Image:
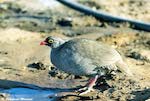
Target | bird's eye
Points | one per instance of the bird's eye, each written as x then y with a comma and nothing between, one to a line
50,41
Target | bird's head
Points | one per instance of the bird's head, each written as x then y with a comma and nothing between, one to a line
52,42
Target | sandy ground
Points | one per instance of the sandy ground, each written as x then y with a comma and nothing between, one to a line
23,60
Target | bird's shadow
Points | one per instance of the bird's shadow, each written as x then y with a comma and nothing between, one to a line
8,84
58,92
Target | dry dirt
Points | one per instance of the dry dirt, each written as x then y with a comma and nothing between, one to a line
23,61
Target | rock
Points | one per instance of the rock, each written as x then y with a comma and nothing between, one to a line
65,22
37,65
58,74
136,56
3,52
3,97
148,42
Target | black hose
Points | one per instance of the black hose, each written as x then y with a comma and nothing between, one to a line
105,16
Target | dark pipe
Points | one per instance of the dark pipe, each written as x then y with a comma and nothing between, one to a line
105,16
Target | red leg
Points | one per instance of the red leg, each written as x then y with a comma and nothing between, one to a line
89,86
92,81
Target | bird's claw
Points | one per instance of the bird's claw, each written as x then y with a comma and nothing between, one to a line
85,90
81,89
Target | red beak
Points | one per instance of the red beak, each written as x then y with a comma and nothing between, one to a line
43,43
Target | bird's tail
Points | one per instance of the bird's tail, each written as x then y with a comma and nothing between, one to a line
124,68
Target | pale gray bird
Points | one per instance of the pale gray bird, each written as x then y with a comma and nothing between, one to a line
85,57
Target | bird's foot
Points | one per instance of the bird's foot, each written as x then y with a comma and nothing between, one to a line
89,86
85,90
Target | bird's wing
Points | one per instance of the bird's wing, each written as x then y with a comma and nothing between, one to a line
99,53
